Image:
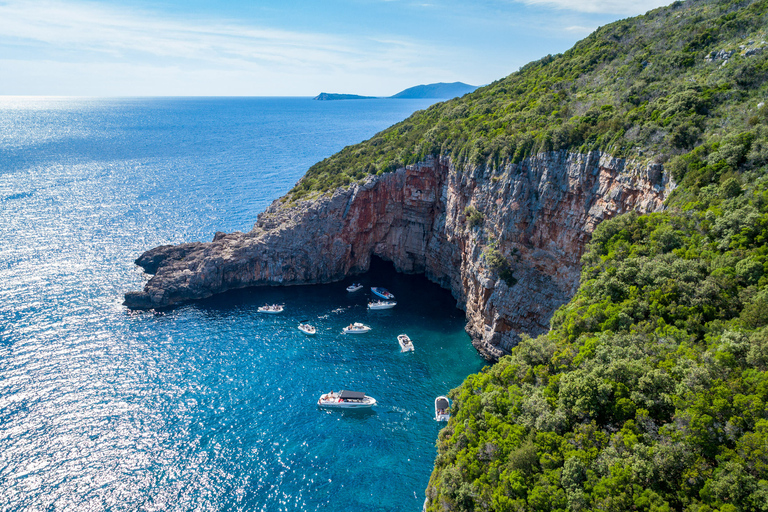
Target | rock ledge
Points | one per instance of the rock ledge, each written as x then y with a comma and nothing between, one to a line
538,215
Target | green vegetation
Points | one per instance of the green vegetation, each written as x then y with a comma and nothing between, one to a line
499,264
475,217
650,391
637,87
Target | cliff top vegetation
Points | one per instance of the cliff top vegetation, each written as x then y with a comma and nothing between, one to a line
654,86
649,392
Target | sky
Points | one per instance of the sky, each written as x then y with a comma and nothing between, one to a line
282,47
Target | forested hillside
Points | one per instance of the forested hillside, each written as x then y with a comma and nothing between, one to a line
655,86
650,390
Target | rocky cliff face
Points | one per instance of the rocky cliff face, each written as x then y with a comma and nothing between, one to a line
536,215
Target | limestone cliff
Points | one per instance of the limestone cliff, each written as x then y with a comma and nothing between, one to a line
537,214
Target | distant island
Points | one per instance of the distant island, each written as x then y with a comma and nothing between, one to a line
326,96
439,90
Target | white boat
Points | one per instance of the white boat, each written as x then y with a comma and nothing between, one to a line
382,292
354,287
441,409
382,304
356,328
346,400
405,343
307,329
271,308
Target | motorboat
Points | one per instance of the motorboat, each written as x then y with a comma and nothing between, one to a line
346,400
382,292
307,329
405,343
356,328
354,287
441,409
382,304
271,308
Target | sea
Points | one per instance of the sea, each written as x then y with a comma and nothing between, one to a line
210,406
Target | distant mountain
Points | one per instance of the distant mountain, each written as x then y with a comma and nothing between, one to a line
439,90
332,96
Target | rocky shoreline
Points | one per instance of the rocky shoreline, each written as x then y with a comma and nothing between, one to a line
536,215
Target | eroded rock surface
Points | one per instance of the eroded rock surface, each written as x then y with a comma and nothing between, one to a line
537,214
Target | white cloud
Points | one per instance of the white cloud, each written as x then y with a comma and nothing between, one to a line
76,43
578,29
622,7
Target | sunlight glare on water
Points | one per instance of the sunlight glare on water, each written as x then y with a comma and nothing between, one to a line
209,406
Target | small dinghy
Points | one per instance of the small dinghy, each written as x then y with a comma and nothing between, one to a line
406,345
354,287
346,400
441,409
356,328
382,292
306,328
382,304
271,308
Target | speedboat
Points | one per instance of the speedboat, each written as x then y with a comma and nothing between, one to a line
441,409
354,287
382,304
382,292
405,343
273,308
307,329
356,328
346,400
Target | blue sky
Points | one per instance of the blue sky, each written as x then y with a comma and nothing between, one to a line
283,47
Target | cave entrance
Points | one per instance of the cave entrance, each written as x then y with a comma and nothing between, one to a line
410,290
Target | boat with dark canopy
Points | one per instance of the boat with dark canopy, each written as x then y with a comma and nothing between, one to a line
346,400
441,409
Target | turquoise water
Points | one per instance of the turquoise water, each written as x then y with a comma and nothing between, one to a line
210,406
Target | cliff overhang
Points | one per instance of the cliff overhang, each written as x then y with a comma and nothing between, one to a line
506,241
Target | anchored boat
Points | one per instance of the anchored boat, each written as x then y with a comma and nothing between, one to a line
346,400
406,345
271,308
441,409
382,292
356,328
382,304
306,328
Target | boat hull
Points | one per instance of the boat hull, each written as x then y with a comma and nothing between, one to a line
356,328
344,405
382,292
441,407
386,305
333,401
271,310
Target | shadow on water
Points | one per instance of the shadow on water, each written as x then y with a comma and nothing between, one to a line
413,292
256,378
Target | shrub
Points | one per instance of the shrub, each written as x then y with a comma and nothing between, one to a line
474,217
500,264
